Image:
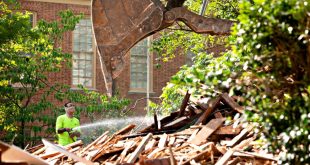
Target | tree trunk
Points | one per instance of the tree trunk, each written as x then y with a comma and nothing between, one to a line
22,129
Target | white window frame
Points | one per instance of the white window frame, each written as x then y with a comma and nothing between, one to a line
143,90
93,84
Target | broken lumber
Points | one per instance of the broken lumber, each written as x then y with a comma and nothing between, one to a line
206,131
140,148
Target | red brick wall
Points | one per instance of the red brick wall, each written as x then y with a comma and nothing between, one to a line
48,11
160,78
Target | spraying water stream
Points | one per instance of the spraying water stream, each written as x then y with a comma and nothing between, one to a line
93,130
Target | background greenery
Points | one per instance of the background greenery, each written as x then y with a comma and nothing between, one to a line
27,56
266,67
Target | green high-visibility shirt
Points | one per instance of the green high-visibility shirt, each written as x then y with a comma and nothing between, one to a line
64,121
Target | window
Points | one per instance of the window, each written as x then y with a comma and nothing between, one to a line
83,55
33,18
138,66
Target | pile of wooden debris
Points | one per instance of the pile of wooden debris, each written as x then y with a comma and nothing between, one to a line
198,133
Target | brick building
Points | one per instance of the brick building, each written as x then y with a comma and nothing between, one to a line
86,67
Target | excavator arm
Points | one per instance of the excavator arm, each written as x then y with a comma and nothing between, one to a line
119,24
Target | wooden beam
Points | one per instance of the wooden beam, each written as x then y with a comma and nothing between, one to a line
234,161
205,153
172,159
162,141
228,100
206,131
239,137
184,104
125,129
94,142
228,130
155,121
139,149
128,145
260,155
202,119
225,157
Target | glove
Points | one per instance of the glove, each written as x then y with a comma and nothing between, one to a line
62,130
73,134
68,129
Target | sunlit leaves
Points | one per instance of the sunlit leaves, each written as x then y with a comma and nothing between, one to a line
268,68
27,54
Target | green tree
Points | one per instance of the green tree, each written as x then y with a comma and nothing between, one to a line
27,55
180,37
268,69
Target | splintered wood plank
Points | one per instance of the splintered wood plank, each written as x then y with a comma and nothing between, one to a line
194,133
172,159
179,141
228,100
184,104
184,132
204,146
140,148
208,111
244,143
91,154
113,158
128,145
114,138
152,154
35,148
218,115
162,122
162,141
239,137
234,161
196,126
39,151
195,147
156,121
101,151
227,130
171,140
206,131
61,155
125,129
94,142
259,155
67,147
236,153
161,161
49,155
102,140
178,120
119,144
181,147
225,157
74,144
150,144
205,154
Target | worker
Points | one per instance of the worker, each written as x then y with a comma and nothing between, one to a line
65,125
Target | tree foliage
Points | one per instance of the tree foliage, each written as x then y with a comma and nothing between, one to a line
179,37
28,55
268,69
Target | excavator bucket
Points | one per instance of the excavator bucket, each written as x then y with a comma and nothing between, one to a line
119,24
